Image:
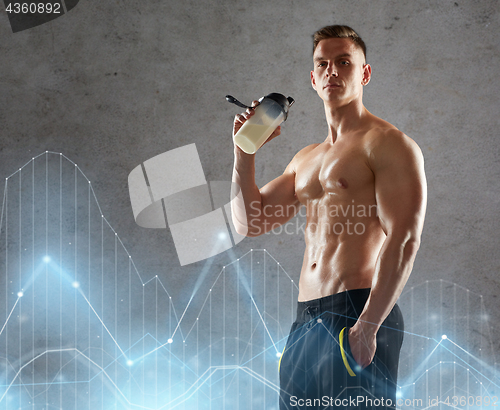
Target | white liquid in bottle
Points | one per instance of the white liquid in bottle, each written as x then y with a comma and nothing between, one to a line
268,115
250,137
256,130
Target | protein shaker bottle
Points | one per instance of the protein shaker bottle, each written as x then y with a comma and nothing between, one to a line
271,112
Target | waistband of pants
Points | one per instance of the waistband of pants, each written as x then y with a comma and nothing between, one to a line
347,301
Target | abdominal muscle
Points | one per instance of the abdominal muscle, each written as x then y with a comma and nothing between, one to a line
341,253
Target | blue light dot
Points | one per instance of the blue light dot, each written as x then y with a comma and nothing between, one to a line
46,259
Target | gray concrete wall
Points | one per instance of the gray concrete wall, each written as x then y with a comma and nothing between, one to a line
114,83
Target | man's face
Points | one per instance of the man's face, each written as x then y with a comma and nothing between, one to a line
339,71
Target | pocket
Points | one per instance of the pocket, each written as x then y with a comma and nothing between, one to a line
345,350
281,357
290,335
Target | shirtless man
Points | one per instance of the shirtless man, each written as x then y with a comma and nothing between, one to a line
364,190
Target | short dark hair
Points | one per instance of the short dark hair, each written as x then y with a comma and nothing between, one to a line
338,32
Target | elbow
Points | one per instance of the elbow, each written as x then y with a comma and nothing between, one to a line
240,228
411,247
410,244
246,223
252,234
249,233
407,242
249,230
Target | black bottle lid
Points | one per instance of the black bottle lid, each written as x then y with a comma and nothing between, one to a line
284,102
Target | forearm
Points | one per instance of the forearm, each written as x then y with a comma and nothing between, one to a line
245,208
394,266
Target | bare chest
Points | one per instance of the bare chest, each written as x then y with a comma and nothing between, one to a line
340,170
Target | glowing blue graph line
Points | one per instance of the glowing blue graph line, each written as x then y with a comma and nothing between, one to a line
103,325
80,353
10,314
213,369
192,375
470,366
198,283
245,285
67,278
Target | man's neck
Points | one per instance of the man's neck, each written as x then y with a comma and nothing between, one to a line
344,119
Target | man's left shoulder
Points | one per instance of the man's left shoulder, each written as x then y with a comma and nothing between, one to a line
390,144
382,139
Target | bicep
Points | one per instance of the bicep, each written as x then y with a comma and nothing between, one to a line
279,202
400,187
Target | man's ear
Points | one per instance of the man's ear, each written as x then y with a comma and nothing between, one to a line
367,74
313,81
